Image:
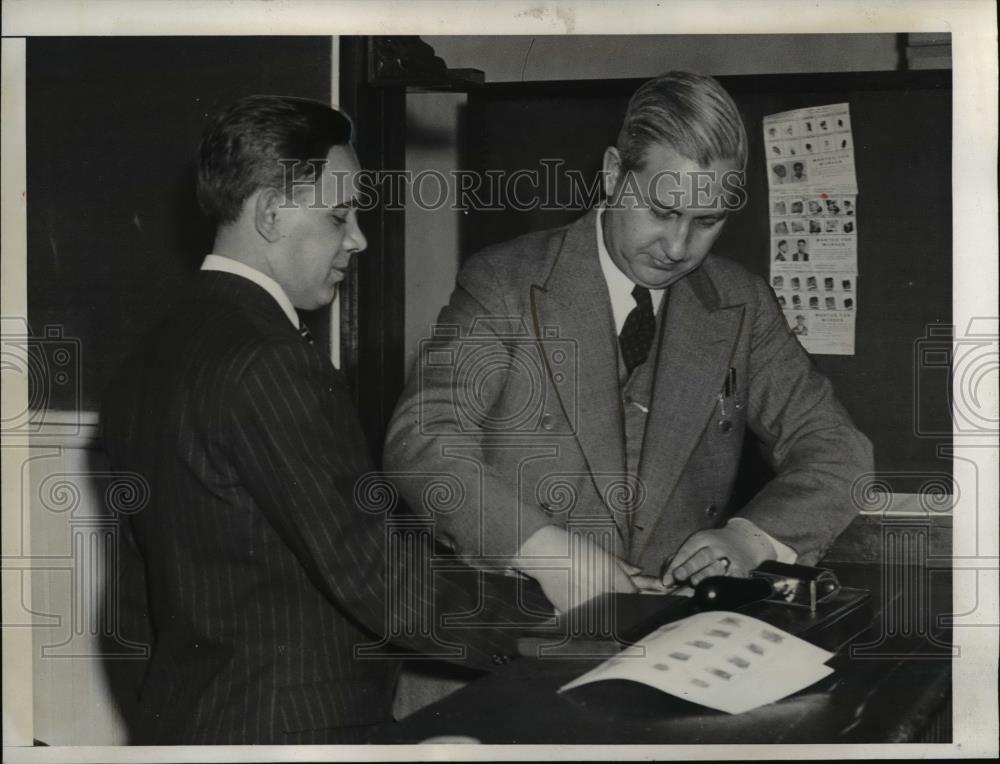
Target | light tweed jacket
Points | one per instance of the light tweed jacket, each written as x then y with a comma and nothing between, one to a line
516,403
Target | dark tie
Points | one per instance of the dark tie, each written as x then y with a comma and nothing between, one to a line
306,334
637,333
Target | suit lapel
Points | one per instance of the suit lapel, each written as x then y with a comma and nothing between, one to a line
219,287
230,292
696,347
574,301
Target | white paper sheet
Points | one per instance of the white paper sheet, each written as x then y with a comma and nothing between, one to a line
726,661
810,150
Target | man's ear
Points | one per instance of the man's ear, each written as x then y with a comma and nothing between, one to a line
266,210
612,168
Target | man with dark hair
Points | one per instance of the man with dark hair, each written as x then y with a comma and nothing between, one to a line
801,253
270,585
653,357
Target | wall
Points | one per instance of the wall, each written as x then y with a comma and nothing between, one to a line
114,230
432,236
74,549
585,57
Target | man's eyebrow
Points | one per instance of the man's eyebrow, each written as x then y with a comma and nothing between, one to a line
711,211
667,206
349,204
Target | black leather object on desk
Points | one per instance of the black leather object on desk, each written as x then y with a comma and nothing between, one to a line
890,683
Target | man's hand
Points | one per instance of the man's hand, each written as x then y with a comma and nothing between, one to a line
572,569
731,551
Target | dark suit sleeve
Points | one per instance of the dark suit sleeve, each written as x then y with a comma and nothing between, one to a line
300,450
817,453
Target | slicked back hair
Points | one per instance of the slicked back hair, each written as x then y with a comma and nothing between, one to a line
264,141
691,113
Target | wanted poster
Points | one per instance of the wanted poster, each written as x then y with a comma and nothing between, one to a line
818,231
821,331
819,308
810,150
814,224
804,290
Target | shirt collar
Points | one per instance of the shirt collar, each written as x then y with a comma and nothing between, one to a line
265,282
620,286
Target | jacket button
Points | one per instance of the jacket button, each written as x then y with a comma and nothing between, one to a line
711,510
547,421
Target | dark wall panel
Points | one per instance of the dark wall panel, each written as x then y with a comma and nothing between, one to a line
113,125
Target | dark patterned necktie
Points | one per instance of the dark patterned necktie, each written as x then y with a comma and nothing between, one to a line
306,334
637,333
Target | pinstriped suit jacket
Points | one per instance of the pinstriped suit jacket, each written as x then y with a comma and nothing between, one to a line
263,575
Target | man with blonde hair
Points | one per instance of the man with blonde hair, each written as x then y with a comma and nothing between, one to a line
601,377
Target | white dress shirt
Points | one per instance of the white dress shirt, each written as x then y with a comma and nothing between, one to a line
620,286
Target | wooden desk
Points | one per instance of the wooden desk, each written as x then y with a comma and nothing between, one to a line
891,684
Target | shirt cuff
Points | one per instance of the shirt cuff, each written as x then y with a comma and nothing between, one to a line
784,552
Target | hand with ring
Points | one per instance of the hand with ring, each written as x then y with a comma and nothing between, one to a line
731,551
